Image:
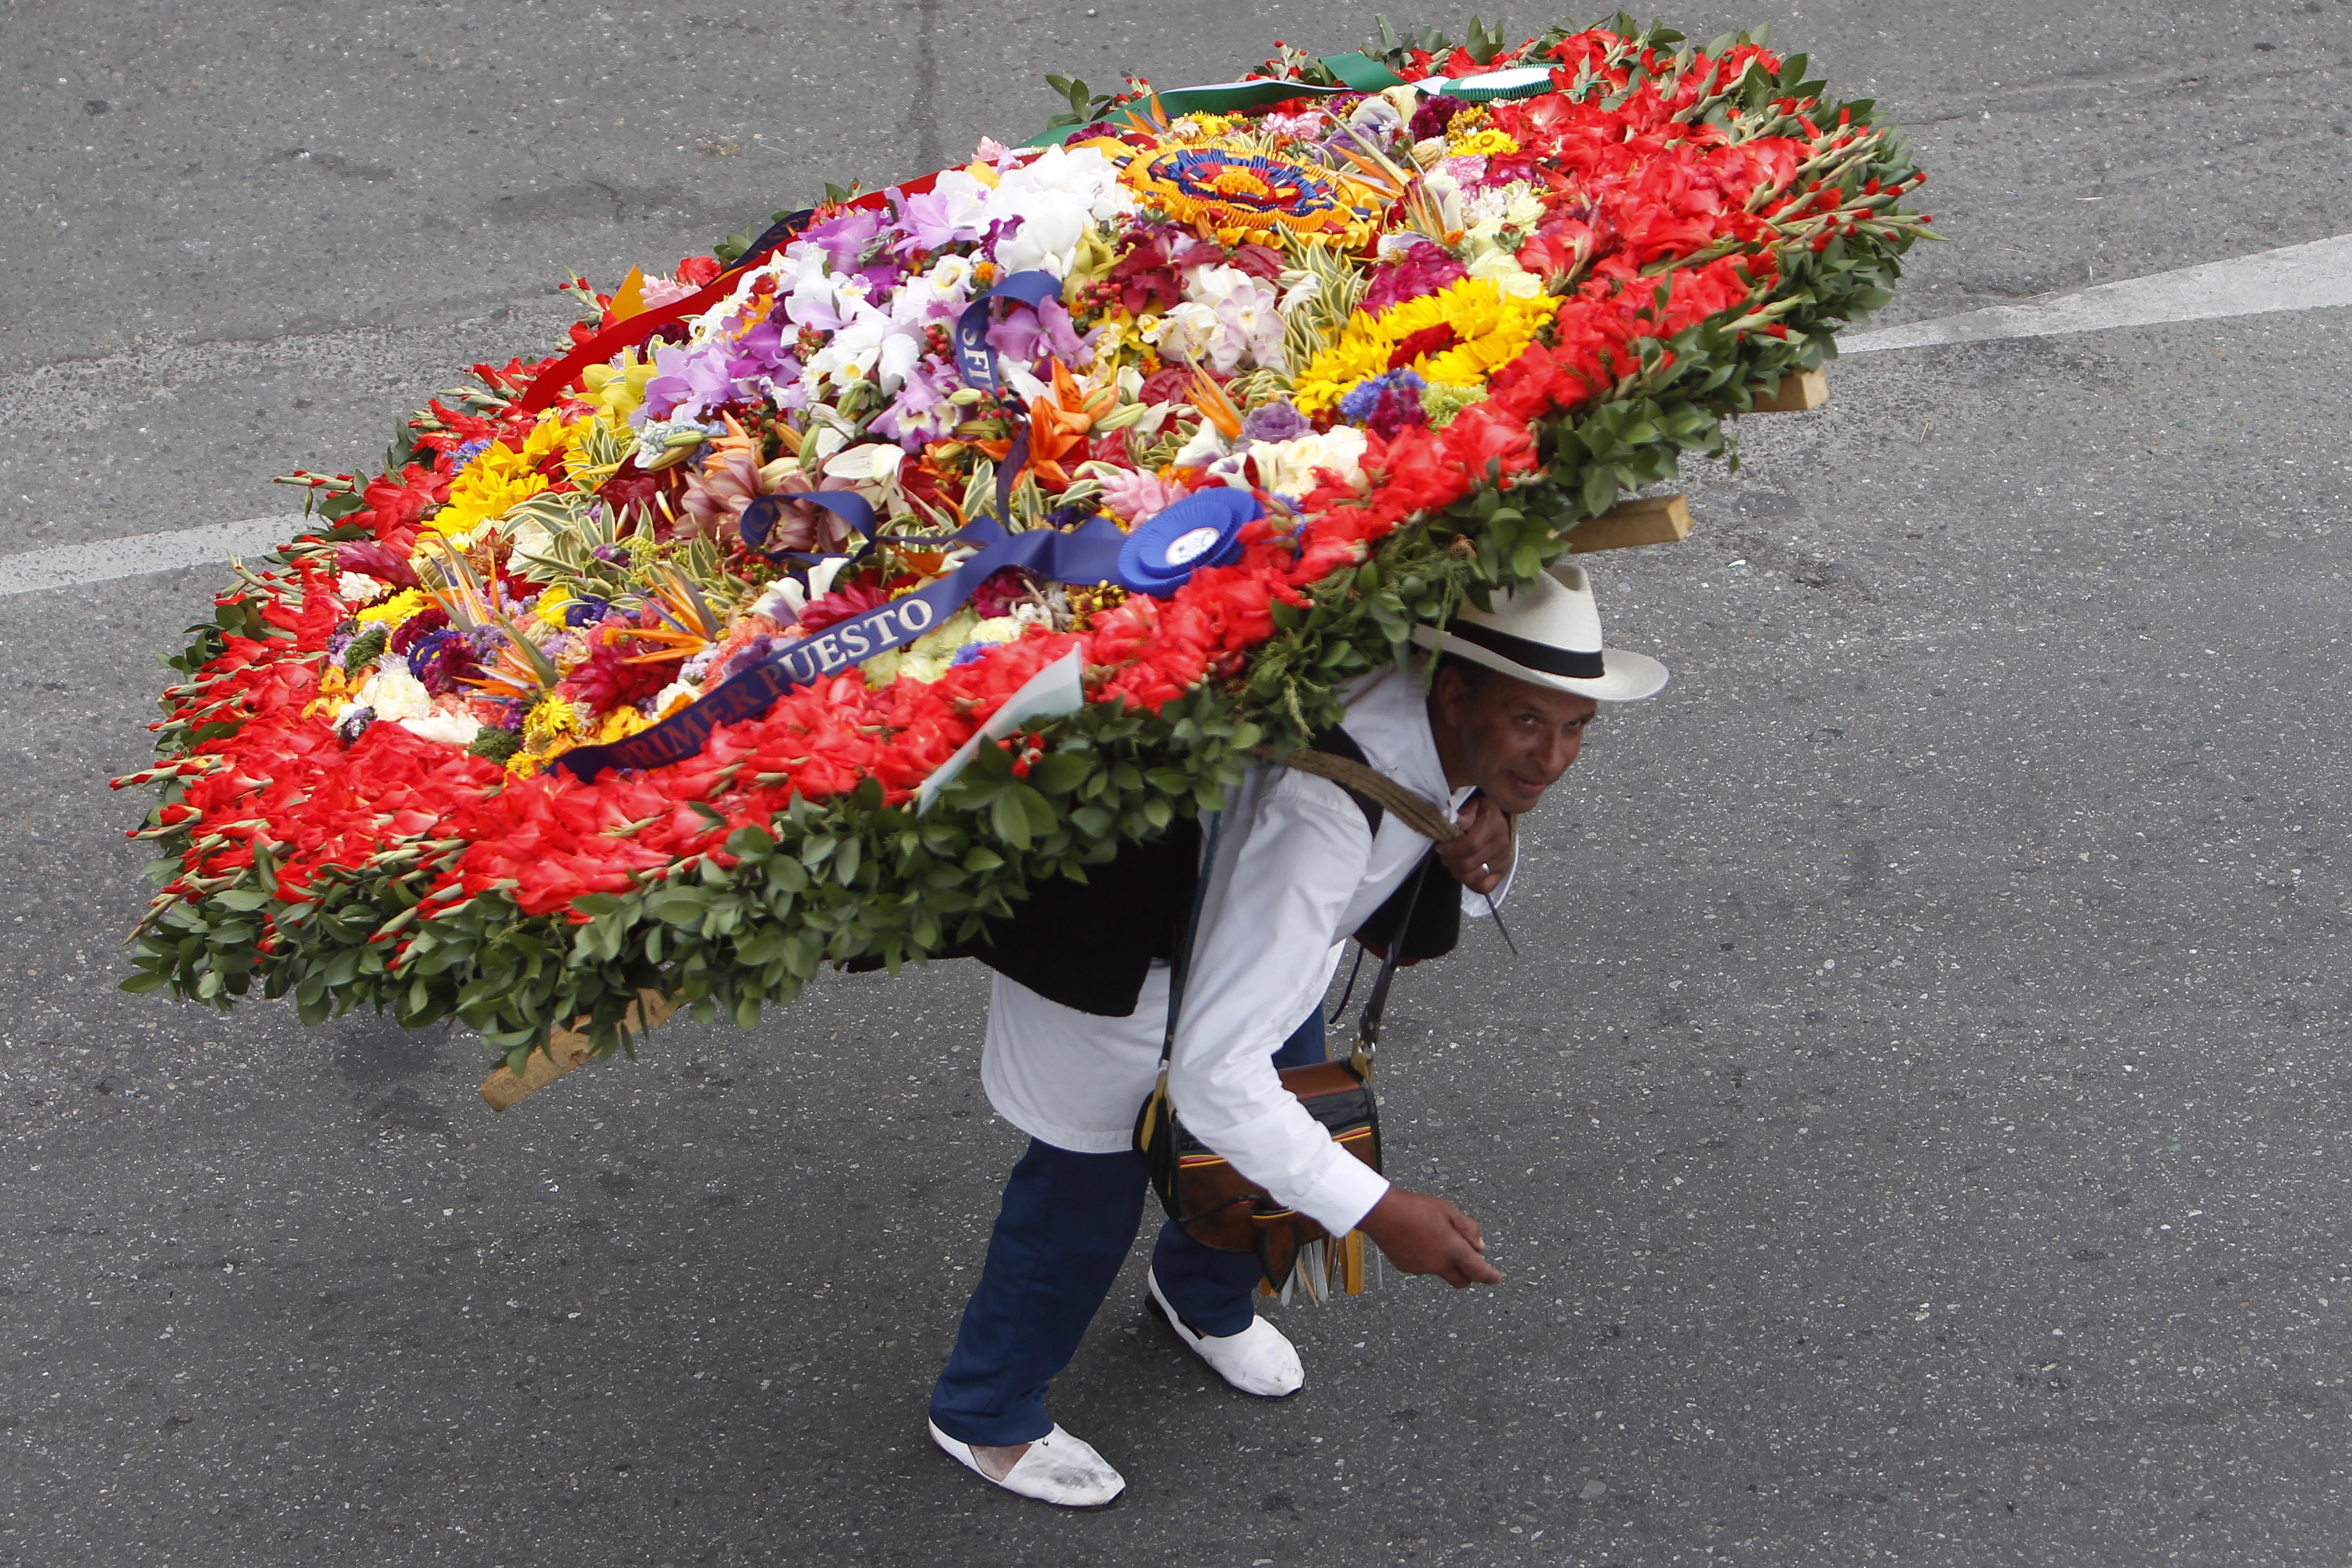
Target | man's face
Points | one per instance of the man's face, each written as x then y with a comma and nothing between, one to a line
1509,737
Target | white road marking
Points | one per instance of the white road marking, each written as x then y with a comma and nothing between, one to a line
2314,276
71,565
2294,278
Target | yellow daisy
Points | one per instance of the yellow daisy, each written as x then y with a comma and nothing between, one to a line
1489,142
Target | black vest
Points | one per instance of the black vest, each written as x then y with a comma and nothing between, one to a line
1089,945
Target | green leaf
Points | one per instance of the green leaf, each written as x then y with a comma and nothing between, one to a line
1009,820
1059,773
749,843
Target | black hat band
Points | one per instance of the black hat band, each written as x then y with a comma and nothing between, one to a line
1573,663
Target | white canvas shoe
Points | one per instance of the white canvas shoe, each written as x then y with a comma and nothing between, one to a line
1258,1360
1057,1468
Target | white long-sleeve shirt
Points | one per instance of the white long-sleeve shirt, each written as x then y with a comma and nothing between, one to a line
1295,873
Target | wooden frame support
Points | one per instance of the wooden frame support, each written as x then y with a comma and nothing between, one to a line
567,1049
1799,390
1648,520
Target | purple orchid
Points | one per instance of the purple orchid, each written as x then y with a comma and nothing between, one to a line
1027,336
690,383
952,212
846,239
921,410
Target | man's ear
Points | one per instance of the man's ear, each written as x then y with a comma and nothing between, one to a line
1450,686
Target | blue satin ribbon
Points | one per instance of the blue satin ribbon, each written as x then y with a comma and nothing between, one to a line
976,362
975,359
759,519
1086,554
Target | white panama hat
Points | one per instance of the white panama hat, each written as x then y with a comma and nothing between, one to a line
1548,633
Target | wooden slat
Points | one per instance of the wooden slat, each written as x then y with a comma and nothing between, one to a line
1649,519
567,1049
1799,390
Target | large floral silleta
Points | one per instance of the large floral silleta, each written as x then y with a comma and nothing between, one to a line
680,661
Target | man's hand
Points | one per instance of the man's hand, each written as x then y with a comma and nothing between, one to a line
1422,1233
1481,858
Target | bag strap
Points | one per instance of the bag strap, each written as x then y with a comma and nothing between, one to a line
1417,812
1179,971
1367,1023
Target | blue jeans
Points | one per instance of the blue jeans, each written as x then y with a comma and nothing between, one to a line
1065,1225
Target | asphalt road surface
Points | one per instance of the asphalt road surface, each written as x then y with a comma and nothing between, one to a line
1915,1130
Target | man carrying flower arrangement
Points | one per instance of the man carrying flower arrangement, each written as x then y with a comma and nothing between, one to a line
637,672
1297,867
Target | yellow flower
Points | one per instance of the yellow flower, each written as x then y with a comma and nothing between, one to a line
1489,141
551,602
620,724
1485,329
552,434
618,393
551,719
493,482
1329,374
392,612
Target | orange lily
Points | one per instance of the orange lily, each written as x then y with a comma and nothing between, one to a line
1060,422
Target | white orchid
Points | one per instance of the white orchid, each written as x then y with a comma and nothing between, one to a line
1055,197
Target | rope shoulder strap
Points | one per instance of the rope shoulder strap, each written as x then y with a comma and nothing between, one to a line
1417,812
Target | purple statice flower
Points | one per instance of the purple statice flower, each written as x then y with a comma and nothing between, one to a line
350,729
1028,336
467,453
588,609
1278,421
339,640
968,654
921,410
1422,268
1433,116
1385,405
